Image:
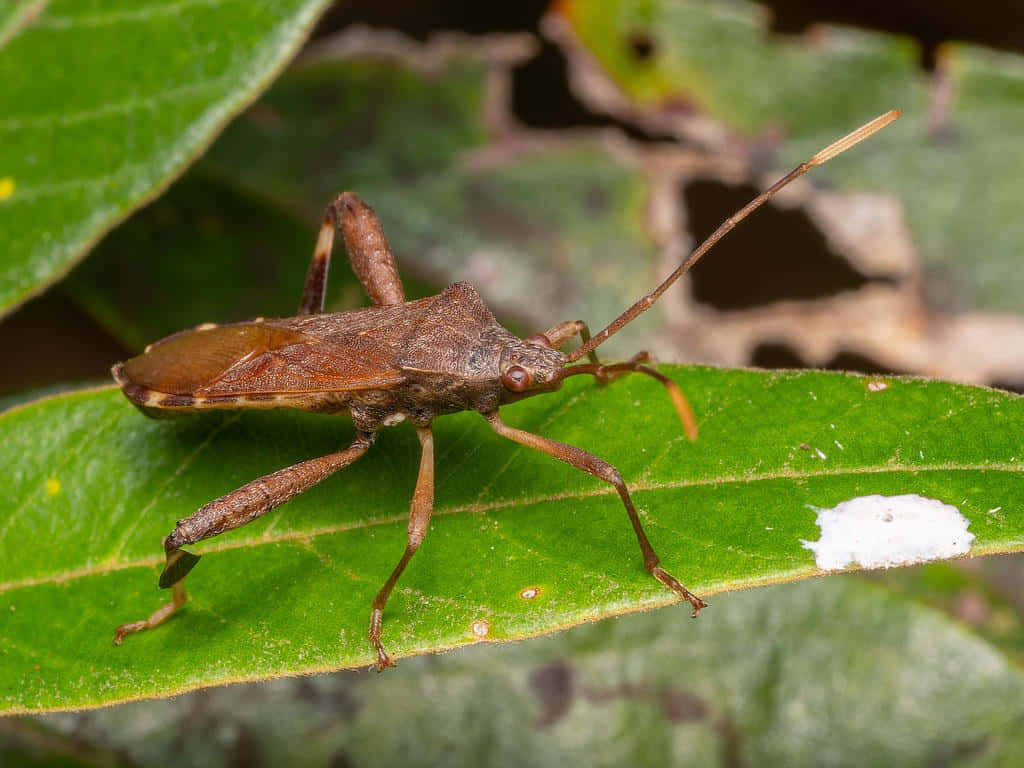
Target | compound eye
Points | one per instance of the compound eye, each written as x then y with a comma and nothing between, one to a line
516,379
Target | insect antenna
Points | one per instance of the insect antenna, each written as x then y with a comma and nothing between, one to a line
645,303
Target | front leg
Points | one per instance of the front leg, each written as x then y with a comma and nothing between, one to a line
368,252
232,511
563,332
601,469
419,521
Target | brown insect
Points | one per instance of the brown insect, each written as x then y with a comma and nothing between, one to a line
395,361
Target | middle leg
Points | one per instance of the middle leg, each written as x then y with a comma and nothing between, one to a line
419,520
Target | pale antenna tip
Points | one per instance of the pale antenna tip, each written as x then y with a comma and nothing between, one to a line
855,137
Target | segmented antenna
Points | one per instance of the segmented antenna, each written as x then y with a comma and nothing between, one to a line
645,303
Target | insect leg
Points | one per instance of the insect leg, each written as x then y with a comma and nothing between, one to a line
236,509
601,469
159,616
368,252
419,520
312,301
606,373
562,332
679,401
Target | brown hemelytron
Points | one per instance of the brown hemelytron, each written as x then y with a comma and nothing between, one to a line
394,361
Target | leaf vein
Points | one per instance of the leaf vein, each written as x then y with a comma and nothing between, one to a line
67,119
170,478
476,507
68,457
109,18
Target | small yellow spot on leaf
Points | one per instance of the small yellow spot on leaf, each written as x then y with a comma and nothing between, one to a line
53,486
6,187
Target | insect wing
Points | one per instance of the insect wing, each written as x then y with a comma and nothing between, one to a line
310,366
258,358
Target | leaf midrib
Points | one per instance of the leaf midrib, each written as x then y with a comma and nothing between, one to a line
482,508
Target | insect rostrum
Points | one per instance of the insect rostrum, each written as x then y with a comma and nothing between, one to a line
394,361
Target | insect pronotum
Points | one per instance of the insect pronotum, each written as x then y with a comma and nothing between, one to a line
395,361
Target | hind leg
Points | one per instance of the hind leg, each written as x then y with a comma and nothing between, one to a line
368,252
234,510
161,614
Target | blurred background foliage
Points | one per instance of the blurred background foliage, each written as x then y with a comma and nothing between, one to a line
561,157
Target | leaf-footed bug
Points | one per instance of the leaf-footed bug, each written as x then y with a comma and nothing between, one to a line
395,361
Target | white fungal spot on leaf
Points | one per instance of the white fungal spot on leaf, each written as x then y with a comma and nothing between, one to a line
886,531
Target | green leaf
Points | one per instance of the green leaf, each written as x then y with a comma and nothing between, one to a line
955,173
516,222
826,672
520,224
212,255
15,15
328,126
80,147
93,486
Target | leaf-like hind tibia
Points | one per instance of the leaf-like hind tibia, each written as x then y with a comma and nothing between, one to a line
177,568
